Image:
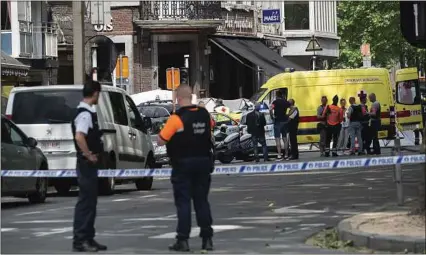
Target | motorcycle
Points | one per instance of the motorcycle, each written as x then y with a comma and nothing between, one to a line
233,146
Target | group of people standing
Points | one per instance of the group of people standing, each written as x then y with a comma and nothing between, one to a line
342,125
286,123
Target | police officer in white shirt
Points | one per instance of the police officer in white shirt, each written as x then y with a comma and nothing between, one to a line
88,144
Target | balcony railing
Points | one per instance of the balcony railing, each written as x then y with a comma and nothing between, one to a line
180,10
38,40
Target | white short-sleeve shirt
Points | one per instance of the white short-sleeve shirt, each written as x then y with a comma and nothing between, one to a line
83,121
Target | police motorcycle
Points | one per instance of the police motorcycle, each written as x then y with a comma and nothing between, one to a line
232,146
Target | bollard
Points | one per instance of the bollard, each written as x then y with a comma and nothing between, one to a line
398,173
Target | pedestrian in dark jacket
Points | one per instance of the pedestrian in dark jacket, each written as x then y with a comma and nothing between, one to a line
256,123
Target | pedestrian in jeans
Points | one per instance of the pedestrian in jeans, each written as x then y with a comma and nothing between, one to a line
355,126
334,117
279,108
375,124
344,132
365,122
293,126
322,125
256,123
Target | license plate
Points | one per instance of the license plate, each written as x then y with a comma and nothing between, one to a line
50,145
410,127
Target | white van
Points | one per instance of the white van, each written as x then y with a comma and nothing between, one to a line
45,113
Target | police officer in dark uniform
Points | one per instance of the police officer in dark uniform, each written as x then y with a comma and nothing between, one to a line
88,143
187,135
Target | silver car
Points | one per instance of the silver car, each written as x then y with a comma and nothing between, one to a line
19,152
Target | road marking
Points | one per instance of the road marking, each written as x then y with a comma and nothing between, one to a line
53,231
41,221
29,213
121,199
301,211
148,196
8,229
196,231
166,218
313,225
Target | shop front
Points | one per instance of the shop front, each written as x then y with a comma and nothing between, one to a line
12,73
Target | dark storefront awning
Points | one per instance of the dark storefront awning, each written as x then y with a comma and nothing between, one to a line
12,67
258,53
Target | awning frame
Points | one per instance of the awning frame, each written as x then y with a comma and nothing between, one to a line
233,55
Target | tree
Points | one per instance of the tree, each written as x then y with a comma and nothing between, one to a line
376,23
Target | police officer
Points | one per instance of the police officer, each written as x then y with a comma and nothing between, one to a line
88,144
188,139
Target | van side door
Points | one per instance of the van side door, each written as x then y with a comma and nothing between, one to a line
139,133
121,125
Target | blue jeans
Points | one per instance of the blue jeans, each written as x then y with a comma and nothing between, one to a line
355,129
280,129
260,139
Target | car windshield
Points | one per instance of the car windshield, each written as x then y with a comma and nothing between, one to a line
154,111
45,107
258,95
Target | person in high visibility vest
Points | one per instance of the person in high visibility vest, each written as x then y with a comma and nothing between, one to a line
334,117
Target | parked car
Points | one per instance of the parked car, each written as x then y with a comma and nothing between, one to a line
159,112
46,112
20,152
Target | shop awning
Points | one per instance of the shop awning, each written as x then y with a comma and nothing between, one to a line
12,67
256,52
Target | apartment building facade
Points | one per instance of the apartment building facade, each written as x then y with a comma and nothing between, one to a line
29,35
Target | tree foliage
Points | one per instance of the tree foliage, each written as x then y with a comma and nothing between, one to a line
376,23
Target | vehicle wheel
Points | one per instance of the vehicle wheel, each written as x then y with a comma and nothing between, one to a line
146,182
63,188
225,159
41,192
107,185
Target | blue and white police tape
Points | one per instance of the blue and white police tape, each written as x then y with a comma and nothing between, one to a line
234,169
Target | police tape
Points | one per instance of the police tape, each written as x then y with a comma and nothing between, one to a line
234,169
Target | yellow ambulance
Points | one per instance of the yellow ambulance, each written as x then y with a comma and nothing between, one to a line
307,88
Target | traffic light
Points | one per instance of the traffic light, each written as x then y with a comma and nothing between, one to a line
413,22
184,76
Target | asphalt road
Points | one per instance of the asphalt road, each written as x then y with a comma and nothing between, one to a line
270,213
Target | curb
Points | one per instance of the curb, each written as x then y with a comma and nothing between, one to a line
379,242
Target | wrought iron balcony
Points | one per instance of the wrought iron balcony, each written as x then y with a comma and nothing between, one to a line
180,10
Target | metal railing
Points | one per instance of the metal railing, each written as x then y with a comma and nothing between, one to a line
38,40
180,10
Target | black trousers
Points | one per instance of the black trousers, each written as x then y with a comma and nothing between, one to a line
333,133
366,137
374,136
292,133
191,180
85,209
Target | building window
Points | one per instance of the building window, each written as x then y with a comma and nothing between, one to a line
296,15
5,15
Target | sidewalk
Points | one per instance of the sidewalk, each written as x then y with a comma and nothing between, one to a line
392,229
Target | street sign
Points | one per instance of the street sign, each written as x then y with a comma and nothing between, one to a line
313,45
173,78
365,50
122,67
271,16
